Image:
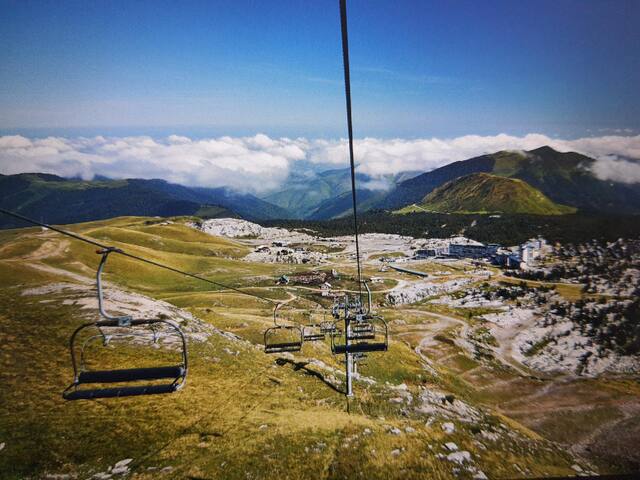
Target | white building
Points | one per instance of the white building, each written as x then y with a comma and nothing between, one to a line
533,251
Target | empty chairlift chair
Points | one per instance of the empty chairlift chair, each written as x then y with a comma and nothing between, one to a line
312,331
350,342
282,338
362,328
364,332
328,327
136,332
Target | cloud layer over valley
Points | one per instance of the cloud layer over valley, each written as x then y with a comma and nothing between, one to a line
259,164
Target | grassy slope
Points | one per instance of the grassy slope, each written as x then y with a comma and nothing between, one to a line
484,193
241,415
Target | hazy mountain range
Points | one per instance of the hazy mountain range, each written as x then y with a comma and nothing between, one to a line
543,182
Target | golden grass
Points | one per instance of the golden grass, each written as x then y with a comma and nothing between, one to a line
242,414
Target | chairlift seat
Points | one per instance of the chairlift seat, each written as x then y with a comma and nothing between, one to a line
283,347
363,328
362,336
120,391
126,326
313,337
131,374
328,328
360,347
273,343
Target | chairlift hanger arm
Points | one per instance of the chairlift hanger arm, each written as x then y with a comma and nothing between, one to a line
123,320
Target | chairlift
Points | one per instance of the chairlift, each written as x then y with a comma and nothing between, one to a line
360,358
310,335
113,329
350,342
362,327
328,327
312,331
365,335
283,338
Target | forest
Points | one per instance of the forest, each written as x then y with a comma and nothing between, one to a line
501,229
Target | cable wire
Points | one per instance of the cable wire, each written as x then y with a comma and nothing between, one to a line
347,91
132,256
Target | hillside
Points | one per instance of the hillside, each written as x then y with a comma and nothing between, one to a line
416,188
60,200
565,178
485,193
430,406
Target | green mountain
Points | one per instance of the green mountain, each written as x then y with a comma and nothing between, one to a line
485,193
565,178
60,200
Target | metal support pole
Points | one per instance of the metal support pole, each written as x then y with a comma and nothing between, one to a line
348,356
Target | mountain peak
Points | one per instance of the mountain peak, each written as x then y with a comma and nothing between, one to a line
486,193
545,149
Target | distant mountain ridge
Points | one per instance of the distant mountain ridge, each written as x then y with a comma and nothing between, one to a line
486,193
565,178
320,195
59,200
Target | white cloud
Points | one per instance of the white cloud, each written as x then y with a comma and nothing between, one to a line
377,157
249,163
612,167
261,163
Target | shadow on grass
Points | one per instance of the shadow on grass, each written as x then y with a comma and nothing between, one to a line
297,366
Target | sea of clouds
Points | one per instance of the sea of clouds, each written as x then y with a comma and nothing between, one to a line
259,163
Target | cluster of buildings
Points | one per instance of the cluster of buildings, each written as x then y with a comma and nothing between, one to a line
456,247
281,252
524,256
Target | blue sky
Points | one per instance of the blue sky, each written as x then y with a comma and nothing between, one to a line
419,68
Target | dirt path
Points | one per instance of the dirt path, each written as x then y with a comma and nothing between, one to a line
506,339
430,330
443,323
51,248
